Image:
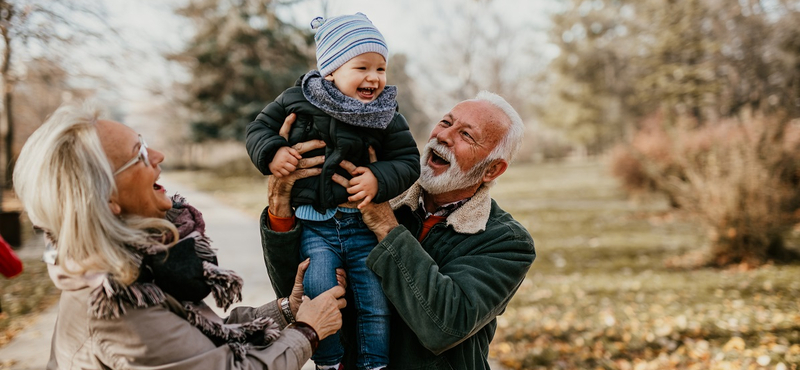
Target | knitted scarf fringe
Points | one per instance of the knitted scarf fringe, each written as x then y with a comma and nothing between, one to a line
239,351
235,335
109,299
202,247
226,285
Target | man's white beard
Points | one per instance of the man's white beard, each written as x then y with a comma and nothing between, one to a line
453,178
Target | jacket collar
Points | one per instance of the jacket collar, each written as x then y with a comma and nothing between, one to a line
470,218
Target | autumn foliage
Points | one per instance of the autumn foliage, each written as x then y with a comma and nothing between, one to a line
739,177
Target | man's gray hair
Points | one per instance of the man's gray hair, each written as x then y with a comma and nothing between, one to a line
509,146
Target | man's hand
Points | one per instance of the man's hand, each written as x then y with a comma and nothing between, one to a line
378,217
280,188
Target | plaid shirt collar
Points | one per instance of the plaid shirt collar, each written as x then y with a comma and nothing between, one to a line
442,211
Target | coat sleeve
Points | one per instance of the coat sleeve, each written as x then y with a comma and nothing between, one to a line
398,166
281,255
243,314
262,138
157,338
446,305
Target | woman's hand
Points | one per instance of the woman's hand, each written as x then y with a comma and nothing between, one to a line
323,313
280,189
296,298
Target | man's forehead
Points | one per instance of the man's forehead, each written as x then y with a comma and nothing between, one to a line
476,113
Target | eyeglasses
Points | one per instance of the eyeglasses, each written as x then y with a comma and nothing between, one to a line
141,156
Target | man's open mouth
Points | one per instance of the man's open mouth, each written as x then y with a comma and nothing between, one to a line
438,159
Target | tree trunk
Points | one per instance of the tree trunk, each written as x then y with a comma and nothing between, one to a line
9,139
6,133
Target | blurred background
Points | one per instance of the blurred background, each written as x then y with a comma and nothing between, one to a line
660,173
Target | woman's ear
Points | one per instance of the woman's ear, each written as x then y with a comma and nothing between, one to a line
114,206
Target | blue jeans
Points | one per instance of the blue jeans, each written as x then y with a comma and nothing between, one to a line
345,241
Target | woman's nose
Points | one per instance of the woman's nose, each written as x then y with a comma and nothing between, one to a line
156,156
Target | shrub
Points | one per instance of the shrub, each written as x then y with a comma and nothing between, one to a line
740,177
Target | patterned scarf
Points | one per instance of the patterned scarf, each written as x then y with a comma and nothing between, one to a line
177,272
324,95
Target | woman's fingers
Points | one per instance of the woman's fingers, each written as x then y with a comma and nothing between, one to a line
341,277
323,312
301,271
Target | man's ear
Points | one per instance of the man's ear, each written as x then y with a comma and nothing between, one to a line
329,77
497,168
114,206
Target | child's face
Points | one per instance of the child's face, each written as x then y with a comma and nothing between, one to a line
362,77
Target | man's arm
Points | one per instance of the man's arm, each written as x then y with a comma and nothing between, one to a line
281,247
444,305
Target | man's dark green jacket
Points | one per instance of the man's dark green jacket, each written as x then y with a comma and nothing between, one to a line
398,157
445,292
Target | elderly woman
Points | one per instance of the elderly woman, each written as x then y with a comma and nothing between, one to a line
119,256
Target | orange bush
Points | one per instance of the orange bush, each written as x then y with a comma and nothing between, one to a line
740,177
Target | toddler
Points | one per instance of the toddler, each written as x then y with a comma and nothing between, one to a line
348,105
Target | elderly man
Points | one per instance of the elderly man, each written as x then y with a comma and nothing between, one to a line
449,258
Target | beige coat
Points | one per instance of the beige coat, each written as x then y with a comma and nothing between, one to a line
157,337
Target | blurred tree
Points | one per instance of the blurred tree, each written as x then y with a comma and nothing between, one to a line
622,60
40,88
44,30
477,48
590,79
240,58
397,75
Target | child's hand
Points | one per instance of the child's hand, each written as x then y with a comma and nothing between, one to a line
363,185
284,162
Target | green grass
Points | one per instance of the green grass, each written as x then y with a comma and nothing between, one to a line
600,294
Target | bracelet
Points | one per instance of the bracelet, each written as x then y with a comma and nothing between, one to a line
308,332
287,311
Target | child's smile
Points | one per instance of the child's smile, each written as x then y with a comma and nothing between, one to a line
362,77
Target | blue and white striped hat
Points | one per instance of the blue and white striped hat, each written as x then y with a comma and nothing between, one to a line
342,38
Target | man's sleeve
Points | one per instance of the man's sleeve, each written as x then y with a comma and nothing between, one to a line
444,306
281,255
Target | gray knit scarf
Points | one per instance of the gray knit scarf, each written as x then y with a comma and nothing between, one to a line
322,94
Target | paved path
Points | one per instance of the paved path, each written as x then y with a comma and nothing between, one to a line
234,234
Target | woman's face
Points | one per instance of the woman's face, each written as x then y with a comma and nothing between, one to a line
137,191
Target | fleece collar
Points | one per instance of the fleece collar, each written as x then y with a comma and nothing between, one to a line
470,218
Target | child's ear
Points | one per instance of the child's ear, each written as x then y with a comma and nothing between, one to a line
329,77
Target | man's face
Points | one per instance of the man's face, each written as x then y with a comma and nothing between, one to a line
362,78
456,156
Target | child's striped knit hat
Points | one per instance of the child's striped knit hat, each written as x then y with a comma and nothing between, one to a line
342,38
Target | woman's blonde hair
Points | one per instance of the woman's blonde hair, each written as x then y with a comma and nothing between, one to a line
65,181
